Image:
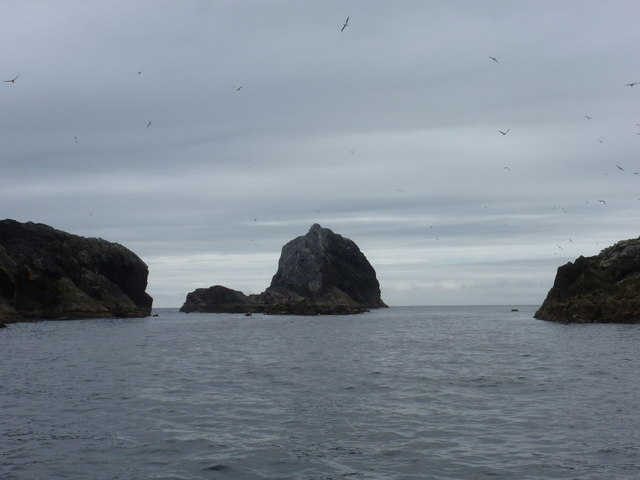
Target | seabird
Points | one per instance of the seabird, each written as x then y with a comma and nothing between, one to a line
588,117
602,201
504,133
238,88
631,84
149,124
13,80
620,168
346,24
494,59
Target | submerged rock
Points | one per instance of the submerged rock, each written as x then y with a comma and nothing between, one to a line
320,273
604,288
50,274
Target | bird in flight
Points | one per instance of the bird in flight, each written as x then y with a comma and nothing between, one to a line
238,88
620,168
13,80
587,117
603,202
631,84
149,124
504,133
494,59
345,25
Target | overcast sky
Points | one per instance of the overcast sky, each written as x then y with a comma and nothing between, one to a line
127,122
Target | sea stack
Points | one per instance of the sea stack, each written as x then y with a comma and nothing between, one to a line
50,274
318,273
604,288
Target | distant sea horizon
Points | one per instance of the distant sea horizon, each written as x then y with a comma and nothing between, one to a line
427,306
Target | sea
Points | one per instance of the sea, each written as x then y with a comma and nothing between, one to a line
475,392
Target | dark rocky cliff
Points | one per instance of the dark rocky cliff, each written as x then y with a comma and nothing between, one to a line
604,288
50,274
322,263
318,273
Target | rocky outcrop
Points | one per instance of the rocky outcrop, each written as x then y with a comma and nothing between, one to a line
50,274
604,288
320,273
216,299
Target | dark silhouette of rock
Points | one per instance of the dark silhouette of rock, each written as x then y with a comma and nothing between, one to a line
604,288
320,273
50,274
216,299
323,265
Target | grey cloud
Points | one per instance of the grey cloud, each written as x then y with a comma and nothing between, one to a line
387,133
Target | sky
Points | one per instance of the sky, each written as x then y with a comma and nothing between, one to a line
203,135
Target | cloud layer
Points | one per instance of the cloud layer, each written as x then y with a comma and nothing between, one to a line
265,119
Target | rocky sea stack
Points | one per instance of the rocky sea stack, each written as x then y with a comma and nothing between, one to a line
50,274
318,273
604,288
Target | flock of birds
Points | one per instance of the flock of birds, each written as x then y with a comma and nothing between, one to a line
588,117
504,132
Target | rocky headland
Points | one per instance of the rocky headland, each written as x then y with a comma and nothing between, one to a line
320,273
50,274
604,288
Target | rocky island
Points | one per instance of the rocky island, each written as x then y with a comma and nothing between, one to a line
604,288
320,273
50,274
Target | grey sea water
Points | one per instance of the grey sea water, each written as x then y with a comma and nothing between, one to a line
399,393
